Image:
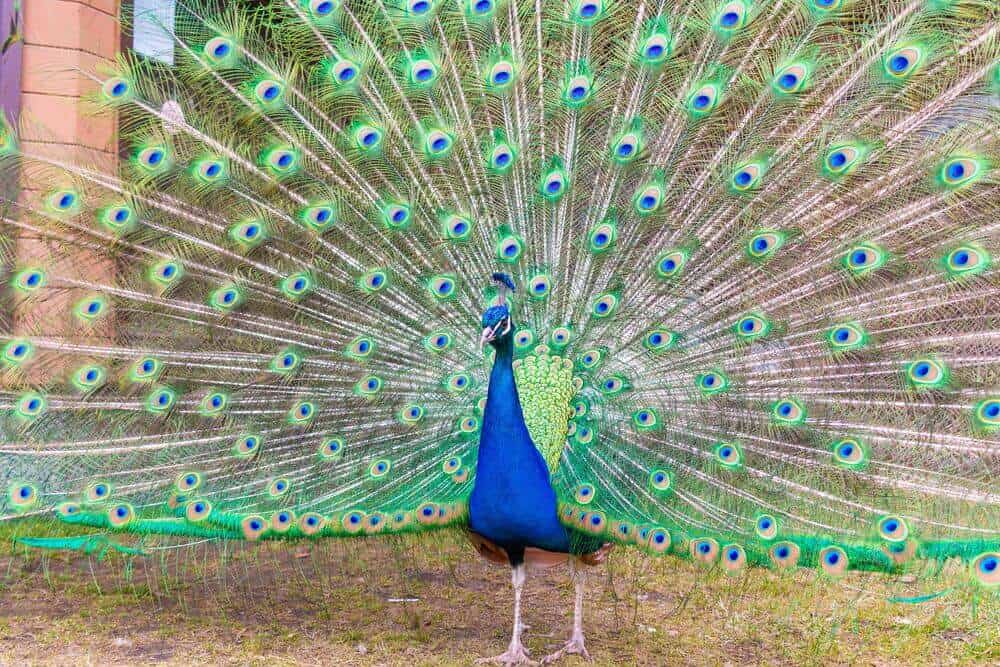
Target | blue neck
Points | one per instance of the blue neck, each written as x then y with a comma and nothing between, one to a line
503,406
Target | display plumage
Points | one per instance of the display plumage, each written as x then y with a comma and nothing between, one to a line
750,316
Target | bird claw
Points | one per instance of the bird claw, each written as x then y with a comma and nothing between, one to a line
515,655
573,647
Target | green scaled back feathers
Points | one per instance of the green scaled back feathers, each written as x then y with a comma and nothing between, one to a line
754,242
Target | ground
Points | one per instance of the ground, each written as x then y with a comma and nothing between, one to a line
431,601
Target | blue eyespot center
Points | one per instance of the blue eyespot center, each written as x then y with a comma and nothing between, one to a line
424,73
221,50
841,335
420,6
501,77
785,409
701,101
922,369
647,202
502,159
859,257
554,186
654,51
838,159
729,19
956,170
625,149
346,74
760,244
832,558
704,547
743,178
899,63
284,160
989,564
483,6
588,10
577,92
788,80
992,409
782,552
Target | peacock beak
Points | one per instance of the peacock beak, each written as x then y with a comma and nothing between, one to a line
489,333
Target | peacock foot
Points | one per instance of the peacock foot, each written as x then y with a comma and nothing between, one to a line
516,654
573,647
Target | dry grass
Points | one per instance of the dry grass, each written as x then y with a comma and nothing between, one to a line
338,604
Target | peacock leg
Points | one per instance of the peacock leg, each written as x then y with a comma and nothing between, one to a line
516,653
575,644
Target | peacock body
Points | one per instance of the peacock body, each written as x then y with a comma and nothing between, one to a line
744,308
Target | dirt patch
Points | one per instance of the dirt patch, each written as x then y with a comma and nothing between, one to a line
427,601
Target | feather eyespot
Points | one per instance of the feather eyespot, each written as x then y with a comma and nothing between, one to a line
658,540
120,515
833,560
604,305
788,412
704,550
197,510
986,568
219,50
187,482
253,527
302,413
311,523
893,529
661,480
766,527
18,351
784,554
734,558
246,446
331,449
847,336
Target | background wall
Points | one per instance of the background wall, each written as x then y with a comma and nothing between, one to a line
60,36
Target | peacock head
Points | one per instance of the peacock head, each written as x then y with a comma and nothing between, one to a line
496,320
496,325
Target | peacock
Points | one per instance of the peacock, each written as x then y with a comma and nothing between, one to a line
711,278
